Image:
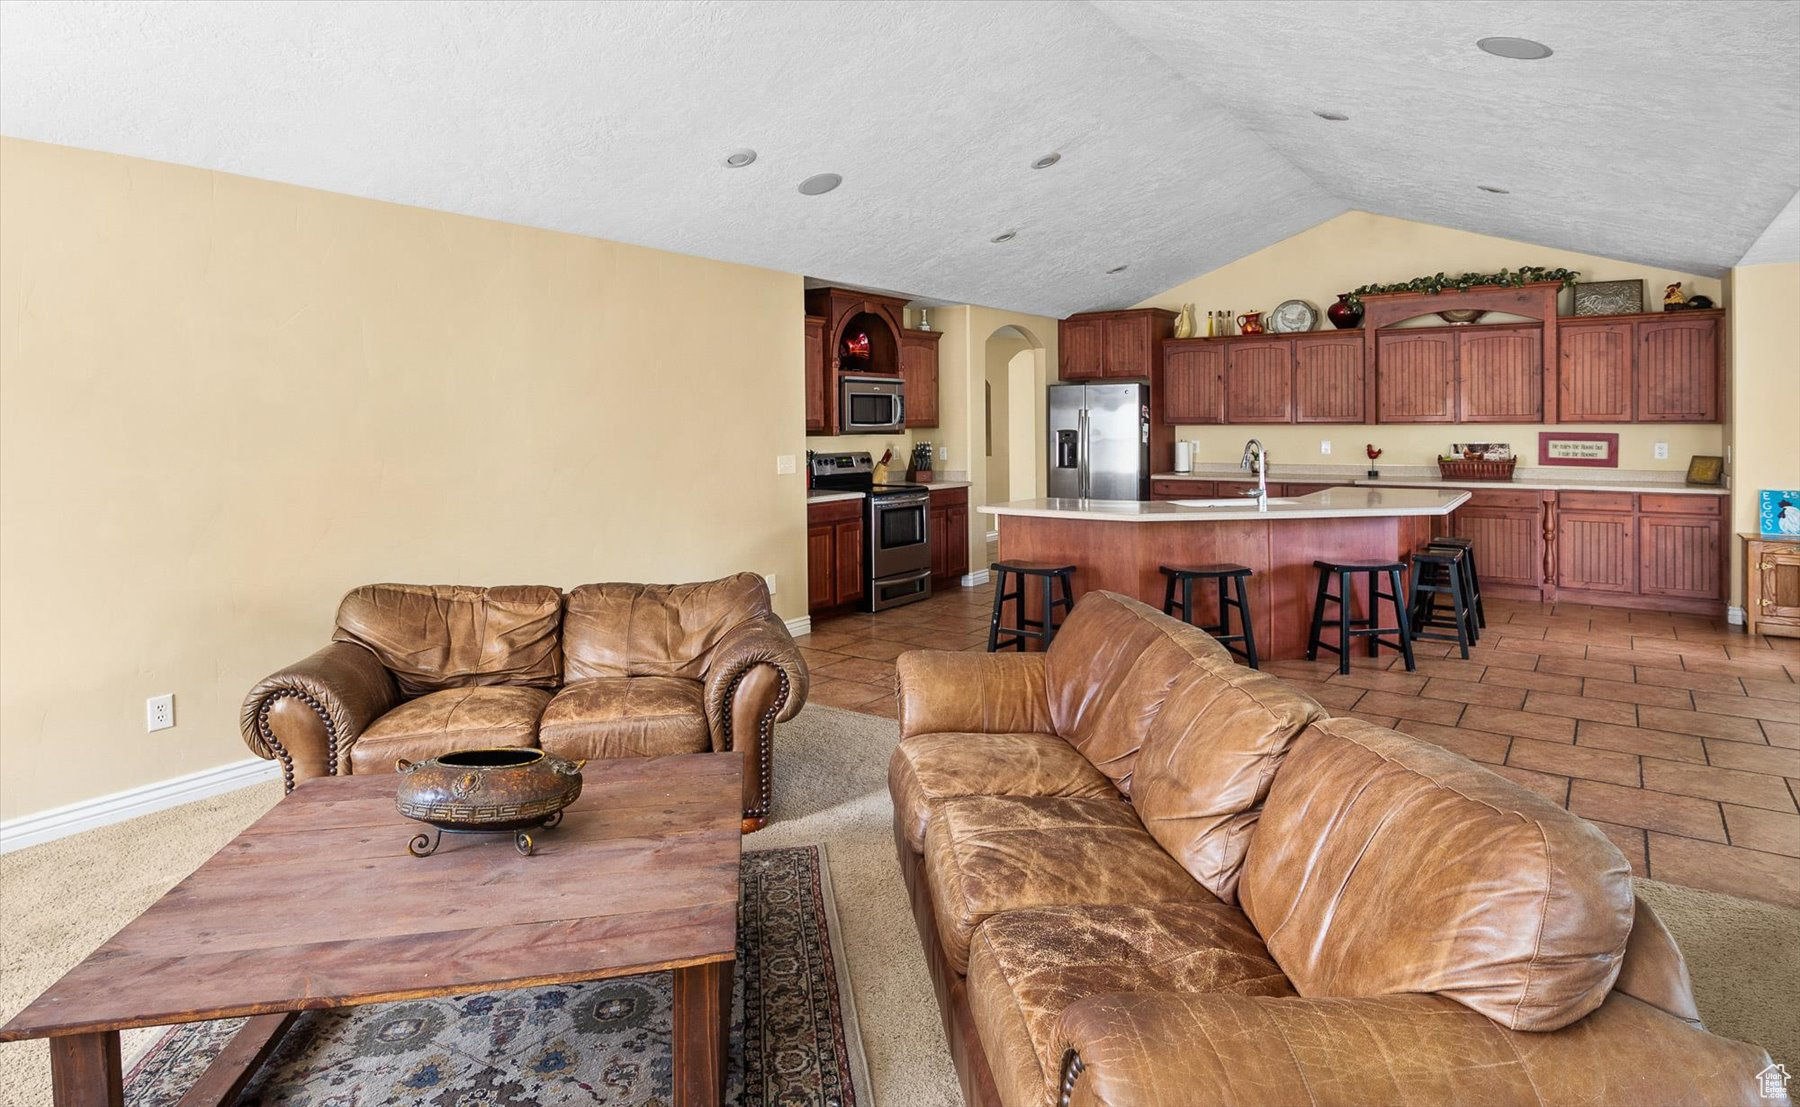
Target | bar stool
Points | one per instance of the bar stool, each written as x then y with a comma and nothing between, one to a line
1471,579
1224,574
1440,571
1370,628
1023,629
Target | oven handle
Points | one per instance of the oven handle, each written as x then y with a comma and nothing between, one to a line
909,500
903,578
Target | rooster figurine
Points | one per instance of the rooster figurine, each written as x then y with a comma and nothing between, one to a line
1374,473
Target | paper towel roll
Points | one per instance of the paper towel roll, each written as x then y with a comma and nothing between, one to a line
1184,456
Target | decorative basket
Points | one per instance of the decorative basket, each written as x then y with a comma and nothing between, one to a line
1464,469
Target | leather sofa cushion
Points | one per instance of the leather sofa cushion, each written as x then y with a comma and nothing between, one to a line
985,855
644,716
1027,967
1207,764
436,636
929,768
614,630
1108,671
1383,864
443,722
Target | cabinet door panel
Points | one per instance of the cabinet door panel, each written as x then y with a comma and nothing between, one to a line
938,525
1328,379
1079,348
919,369
1678,371
815,376
1500,374
1779,568
819,565
1193,383
847,538
1681,555
1593,382
1259,382
1415,378
1595,552
1182,490
1509,543
1127,345
956,541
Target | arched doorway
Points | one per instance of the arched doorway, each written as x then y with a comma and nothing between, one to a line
1009,423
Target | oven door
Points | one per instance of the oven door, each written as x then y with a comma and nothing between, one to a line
899,534
871,405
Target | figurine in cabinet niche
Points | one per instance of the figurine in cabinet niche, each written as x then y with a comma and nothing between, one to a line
1673,298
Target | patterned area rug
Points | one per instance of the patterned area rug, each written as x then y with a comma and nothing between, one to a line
794,1040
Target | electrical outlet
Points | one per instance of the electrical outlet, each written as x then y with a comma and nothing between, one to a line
943,453
1325,447
1662,451
159,712
784,465
770,579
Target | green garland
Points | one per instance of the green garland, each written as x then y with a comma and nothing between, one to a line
1513,278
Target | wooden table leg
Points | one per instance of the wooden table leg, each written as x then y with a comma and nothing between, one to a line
702,1033
85,1070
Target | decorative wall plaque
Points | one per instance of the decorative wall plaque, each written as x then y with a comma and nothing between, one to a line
1609,297
1570,448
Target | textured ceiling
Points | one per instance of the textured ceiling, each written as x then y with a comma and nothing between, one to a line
1666,133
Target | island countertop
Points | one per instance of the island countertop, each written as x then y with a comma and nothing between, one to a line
1347,502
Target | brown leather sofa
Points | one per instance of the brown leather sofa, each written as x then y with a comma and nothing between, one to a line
1144,875
607,670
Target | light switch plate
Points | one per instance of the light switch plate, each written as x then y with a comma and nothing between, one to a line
784,465
1325,447
1662,451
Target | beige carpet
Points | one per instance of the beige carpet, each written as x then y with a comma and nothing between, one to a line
59,901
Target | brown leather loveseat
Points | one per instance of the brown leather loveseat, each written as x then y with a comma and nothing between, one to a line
607,670
1145,875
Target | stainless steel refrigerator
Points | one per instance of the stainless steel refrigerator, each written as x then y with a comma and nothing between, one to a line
1100,441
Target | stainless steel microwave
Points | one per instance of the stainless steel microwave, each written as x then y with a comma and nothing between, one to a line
871,405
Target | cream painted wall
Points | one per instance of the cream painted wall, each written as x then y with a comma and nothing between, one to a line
1765,394
1358,248
994,426
223,402
1025,411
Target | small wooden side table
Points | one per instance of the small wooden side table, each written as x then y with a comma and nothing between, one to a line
1771,585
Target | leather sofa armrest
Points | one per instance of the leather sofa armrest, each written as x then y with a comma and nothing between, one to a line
1176,1048
309,714
946,691
754,679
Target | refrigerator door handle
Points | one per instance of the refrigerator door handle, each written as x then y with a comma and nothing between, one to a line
1086,457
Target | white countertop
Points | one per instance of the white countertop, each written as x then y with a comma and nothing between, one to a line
1332,503
1419,476
831,497
1535,483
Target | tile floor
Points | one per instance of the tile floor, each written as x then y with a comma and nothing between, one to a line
1675,734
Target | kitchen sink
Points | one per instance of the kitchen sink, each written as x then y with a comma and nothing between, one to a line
1233,501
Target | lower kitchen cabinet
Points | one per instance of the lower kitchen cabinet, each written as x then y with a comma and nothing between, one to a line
949,536
1507,529
1596,551
1771,585
834,554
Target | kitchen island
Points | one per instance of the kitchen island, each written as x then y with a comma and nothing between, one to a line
1120,545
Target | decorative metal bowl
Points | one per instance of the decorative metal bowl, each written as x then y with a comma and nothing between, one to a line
508,789
1462,316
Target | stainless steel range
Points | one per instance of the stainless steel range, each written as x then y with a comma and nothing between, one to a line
896,529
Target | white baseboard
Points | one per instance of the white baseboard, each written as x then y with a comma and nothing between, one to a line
46,826
1734,615
976,579
802,625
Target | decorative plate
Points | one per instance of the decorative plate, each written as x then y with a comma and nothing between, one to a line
1293,317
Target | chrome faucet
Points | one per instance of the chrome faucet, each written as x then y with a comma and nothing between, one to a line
1258,458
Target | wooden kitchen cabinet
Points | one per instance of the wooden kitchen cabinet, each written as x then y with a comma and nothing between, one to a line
1594,372
1771,585
1500,374
834,554
1507,529
1113,344
1415,377
1640,369
1183,489
949,525
816,386
1678,369
919,370
1681,555
1259,382
1596,551
1328,378
1193,382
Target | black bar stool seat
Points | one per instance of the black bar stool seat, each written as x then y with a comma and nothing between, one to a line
1471,578
1350,629
1437,571
1025,630
1225,575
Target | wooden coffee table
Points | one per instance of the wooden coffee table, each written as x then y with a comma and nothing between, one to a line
318,905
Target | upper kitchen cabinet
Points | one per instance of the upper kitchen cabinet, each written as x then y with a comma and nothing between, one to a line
1328,378
1259,382
1415,376
1500,374
1678,369
1593,372
1193,382
1113,344
815,376
1640,369
919,369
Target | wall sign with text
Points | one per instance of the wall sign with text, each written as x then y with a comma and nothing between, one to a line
1569,448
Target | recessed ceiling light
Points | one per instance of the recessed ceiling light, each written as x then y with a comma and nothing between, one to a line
1495,191
1004,236
819,184
1117,269
737,159
1519,49
1046,161
1333,116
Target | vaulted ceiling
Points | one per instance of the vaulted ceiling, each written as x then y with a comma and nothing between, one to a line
1666,133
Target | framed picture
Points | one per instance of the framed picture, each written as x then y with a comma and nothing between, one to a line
1609,297
1780,514
1599,451
1706,469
